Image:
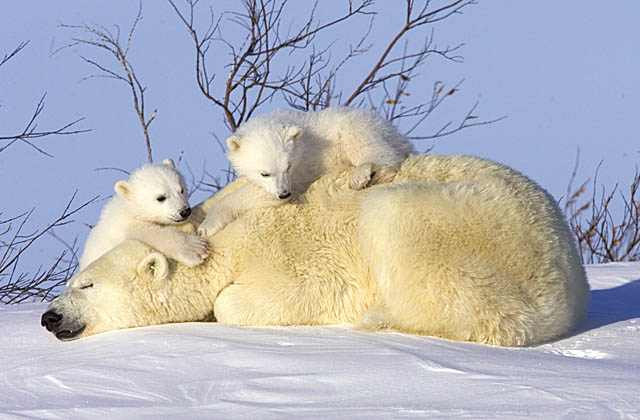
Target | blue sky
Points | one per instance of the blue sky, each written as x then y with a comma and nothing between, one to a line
565,73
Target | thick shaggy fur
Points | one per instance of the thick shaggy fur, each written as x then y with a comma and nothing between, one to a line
143,208
456,247
283,152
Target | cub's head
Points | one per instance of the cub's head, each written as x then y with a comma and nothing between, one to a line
265,155
156,193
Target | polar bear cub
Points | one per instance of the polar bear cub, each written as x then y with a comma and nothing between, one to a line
283,152
144,208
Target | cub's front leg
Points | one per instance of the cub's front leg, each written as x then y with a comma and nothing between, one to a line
187,249
220,215
234,205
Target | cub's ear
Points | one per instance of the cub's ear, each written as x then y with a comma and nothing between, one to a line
169,162
293,132
233,143
155,266
121,188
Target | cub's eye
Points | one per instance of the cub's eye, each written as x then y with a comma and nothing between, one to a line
265,174
182,190
161,198
289,167
86,286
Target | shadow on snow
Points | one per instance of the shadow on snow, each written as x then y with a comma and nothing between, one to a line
608,306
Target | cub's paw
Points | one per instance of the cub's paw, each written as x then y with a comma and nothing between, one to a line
209,226
361,176
194,251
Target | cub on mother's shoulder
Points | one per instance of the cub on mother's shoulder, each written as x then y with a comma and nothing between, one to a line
144,208
281,153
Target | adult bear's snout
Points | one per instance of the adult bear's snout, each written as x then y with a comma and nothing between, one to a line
64,329
50,320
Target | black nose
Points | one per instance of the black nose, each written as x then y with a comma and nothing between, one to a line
185,213
50,320
284,195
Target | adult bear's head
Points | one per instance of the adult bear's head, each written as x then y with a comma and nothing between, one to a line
128,287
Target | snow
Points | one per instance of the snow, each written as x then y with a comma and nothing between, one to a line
198,370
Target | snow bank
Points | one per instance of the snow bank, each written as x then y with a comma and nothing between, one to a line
206,371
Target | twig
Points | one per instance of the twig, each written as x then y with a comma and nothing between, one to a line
102,38
600,236
30,131
16,287
251,80
13,53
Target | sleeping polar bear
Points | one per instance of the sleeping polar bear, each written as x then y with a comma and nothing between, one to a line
455,247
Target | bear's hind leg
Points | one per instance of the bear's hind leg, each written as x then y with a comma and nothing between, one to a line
259,296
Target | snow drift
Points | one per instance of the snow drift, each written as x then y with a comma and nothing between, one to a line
206,370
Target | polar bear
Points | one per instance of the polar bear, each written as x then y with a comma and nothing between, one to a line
144,208
455,247
283,152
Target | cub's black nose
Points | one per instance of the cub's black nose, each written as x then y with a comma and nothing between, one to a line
185,213
50,320
284,195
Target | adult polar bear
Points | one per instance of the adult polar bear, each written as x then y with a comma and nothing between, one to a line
455,247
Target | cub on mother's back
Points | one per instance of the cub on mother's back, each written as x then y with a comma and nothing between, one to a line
144,208
283,152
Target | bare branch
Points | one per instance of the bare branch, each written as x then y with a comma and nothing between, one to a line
72,247
600,236
114,169
207,182
255,72
30,131
102,38
251,80
13,53
446,129
16,287
422,18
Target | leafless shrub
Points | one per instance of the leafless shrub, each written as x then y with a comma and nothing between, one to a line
253,78
30,130
17,286
103,38
206,182
260,67
603,231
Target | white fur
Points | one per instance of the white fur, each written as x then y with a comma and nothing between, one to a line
455,247
153,197
283,152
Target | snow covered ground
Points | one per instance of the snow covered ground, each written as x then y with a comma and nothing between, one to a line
193,371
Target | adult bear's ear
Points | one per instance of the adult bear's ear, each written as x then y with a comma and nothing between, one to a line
121,188
169,162
233,143
294,132
155,266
